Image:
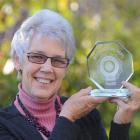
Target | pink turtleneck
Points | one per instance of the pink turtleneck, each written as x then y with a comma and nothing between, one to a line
43,110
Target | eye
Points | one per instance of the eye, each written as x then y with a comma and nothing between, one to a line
59,60
35,58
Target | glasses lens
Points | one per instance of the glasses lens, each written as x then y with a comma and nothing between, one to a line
36,58
59,62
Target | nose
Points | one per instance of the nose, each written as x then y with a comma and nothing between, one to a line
47,66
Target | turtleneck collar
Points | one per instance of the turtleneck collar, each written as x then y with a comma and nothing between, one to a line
34,104
43,110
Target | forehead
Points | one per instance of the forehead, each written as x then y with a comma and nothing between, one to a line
47,45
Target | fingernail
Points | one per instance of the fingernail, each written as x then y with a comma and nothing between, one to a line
90,88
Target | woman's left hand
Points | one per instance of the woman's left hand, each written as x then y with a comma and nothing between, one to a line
127,106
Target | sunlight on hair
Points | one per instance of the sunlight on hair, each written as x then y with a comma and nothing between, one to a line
8,67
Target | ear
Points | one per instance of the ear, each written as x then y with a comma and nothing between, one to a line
17,62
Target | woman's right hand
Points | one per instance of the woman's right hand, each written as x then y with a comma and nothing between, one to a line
80,104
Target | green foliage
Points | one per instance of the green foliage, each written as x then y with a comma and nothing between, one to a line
92,20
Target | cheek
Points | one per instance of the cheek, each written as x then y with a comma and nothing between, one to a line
28,71
60,75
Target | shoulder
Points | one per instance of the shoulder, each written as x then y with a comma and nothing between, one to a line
12,124
9,116
9,112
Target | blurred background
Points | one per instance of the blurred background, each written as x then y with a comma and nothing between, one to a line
92,20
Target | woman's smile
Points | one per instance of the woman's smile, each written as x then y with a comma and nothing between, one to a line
44,81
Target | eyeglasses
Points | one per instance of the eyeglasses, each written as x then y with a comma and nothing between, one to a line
41,59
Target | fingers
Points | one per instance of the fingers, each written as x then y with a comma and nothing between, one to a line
132,88
119,101
126,100
84,92
100,99
84,96
128,85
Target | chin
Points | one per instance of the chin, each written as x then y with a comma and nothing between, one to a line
44,95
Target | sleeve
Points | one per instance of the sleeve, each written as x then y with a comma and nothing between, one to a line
101,130
65,130
119,131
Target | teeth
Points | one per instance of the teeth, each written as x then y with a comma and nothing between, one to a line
43,81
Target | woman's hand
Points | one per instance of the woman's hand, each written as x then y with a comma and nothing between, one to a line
80,104
127,106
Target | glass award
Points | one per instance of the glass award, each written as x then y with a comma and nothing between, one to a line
109,63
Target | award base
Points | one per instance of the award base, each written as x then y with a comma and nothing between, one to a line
110,93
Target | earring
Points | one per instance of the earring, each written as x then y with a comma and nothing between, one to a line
19,75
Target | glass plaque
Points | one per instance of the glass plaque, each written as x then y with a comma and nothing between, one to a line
109,63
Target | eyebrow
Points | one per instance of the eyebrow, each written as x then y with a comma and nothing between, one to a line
42,53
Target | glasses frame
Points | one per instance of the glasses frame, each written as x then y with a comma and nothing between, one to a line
45,59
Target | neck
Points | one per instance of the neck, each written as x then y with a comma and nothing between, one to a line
43,110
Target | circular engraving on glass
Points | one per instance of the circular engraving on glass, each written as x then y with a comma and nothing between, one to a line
109,65
109,68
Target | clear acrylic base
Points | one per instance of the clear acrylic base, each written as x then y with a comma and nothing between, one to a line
110,93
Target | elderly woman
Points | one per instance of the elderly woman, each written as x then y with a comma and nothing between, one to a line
41,50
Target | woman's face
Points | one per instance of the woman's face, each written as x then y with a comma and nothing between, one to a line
42,81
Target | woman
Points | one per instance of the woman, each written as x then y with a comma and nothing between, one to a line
41,50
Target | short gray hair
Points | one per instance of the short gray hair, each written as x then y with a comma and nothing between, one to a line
48,23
